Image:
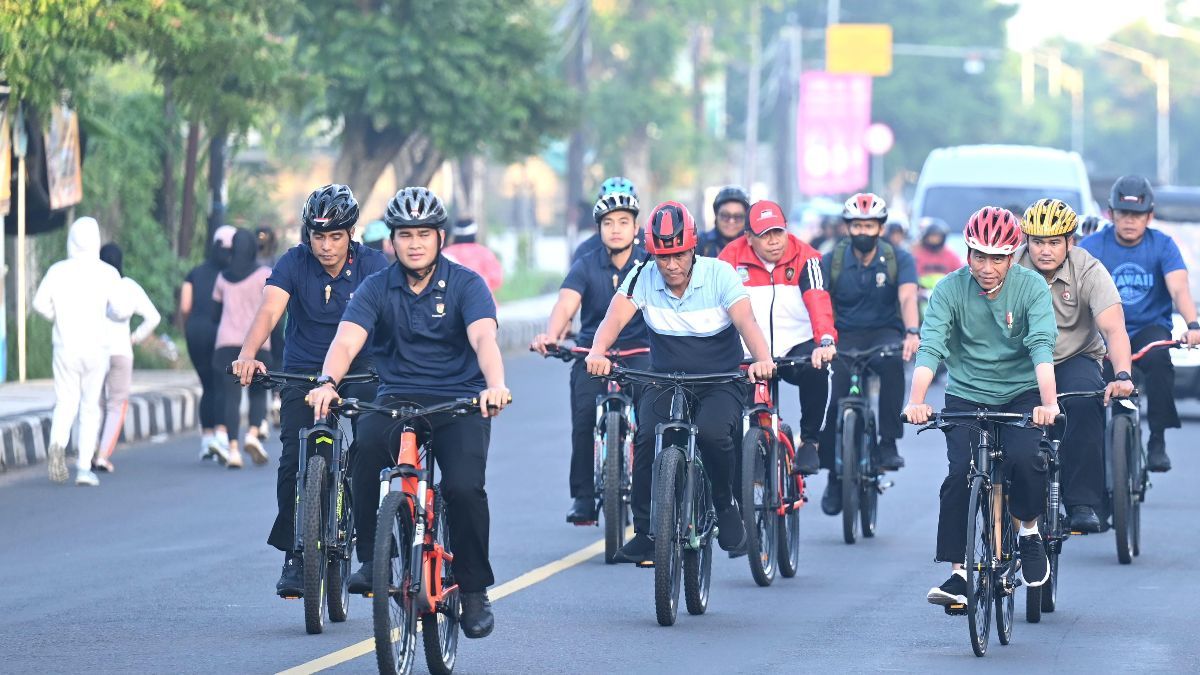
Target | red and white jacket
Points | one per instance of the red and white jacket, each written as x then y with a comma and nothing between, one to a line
790,302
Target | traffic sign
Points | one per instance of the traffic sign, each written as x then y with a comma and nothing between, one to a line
879,139
862,48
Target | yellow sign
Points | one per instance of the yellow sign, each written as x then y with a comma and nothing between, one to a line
863,48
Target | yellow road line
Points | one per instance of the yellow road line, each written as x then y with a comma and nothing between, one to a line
522,582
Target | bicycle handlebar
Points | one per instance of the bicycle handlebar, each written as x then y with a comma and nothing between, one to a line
407,411
651,377
1171,344
883,350
580,353
1099,393
276,377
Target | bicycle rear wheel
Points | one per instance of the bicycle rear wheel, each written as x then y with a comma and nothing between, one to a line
1005,590
1140,479
1120,431
758,500
788,527
614,502
868,501
337,585
697,562
851,432
315,555
669,530
393,610
978,564
439,629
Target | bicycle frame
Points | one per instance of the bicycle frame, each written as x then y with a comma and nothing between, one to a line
763,413
673,429
327,436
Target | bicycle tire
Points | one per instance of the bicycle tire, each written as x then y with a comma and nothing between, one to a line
439,629
850,477
868,501
1119,431
337,584
1050,588
757,500
1005,597
789,523
1137,471
668,533
697,563
978,566
614,500
315,555
1033,594
392,605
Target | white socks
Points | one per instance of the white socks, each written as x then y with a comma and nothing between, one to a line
962,573
1024,532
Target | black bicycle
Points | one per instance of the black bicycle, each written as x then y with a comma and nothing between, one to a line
324,525
616,425
857,459
683,519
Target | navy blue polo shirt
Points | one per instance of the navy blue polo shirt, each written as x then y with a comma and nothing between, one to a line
863,297
596,278
421,345
312,317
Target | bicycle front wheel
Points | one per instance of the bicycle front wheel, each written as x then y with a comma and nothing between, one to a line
315,555
1005,582
614,502
759,499
697,562
788,527
851,433
979,564
439,629
392,604
1120,432
868,501
669,531
1139,481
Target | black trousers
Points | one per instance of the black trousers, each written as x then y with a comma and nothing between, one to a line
294,416
718,417
1024,466
813,384
1155,377
1081,451
461,447
889,370
584,390
229,397
201,340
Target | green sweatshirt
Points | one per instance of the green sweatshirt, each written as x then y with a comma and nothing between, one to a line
990,346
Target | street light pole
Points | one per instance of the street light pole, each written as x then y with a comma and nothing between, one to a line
1159,70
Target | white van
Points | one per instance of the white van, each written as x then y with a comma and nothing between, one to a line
956,182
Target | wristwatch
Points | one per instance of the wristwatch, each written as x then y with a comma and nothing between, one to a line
826,341
913,331
1123,376
1193,325
325,379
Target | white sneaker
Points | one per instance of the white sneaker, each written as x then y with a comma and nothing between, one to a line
205,453
255,448
56,464
86,477
218,447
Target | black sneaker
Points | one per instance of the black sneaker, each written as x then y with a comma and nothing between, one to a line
1157,450
807,461
638,550
732,534
476,619
1035,569
741,550
583,511
291,581
1084,519
831,501
953,591
889,456
359,583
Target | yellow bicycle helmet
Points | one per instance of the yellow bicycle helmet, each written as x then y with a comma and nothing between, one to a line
1049,218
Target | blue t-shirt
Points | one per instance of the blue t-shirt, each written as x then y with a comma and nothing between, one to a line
863,297
421,345
596,279
312,314
692,334
1139,272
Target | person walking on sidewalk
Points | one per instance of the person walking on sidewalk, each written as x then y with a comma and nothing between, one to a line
236,295
120,355
79,295
200,329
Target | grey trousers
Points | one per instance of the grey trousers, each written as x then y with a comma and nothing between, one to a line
116,403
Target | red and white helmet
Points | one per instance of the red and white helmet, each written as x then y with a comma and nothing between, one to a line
865,206
994,231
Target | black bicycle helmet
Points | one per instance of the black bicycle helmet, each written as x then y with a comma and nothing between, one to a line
330,207
731,193
1132,193
415,207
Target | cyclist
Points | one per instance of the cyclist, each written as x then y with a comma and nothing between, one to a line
729,213
783,276
933,258
1151,276
313,283
435,327
611,185
590,286
988,321
695,308
873,285
1088,310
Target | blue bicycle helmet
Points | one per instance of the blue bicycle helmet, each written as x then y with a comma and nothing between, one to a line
617,184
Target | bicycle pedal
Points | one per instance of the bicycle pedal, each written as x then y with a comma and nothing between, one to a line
586,523
885,484
646,564
296,596
956,610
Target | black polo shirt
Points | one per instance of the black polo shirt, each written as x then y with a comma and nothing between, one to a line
594,277
313,315
863,296
421,345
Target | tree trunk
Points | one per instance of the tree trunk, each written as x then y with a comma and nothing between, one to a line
417,161
218,153
187,217
365,153
165,208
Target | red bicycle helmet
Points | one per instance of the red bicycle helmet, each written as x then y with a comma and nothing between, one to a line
670,230
993,230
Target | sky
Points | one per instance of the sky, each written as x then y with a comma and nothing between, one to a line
1087,21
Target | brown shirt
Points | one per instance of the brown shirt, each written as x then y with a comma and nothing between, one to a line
1081,289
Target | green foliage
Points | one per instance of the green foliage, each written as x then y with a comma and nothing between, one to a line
39,348
528,283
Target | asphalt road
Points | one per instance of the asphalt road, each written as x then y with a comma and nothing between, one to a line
164,568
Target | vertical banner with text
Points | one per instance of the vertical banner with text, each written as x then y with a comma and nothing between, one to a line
5,162
64,170
834,113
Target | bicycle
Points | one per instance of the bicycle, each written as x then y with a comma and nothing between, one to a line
616,425
857,461
683,518
324,517
412,576
772,494
992,561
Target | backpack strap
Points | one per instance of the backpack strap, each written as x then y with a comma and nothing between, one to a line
835,265
633,278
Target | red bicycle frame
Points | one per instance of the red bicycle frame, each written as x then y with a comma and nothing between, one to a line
414,484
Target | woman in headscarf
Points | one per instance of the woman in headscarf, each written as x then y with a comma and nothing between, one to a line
200,329
237,294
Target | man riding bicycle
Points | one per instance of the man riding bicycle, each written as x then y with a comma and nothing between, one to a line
613,185
873,285
695,308
312,282
783,276
729,221
590,286
1087,308
989,321
1151,276
435,340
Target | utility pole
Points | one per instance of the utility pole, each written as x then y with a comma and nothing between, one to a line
750,154
577,79
217,155
1158,70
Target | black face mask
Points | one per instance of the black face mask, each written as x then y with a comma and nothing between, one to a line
934,244
863,243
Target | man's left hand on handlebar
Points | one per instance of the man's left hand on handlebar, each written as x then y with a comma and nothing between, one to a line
493,399
598,364
1118,389
245,368
761,370
1043,415
1192,338
823,355
911,344
320,398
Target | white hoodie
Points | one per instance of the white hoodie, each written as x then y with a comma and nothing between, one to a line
81,294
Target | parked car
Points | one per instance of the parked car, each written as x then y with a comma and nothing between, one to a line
1177,213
